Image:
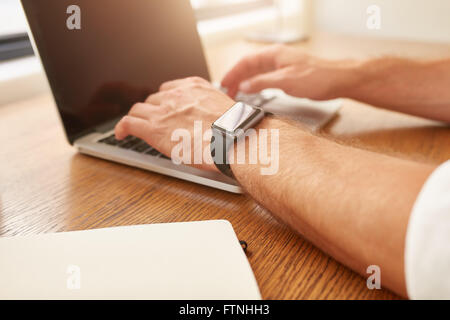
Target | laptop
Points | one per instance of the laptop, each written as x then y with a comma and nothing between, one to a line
121,53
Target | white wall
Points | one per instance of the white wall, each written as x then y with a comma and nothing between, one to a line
425,20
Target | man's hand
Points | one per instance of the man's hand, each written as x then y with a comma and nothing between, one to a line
176,106
291,70
415,87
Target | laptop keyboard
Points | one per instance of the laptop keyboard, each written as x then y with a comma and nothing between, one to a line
140,146
134,144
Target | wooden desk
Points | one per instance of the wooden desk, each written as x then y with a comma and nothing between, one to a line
46,186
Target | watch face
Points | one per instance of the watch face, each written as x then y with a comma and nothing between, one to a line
232,119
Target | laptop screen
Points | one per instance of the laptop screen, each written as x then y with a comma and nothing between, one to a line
103,56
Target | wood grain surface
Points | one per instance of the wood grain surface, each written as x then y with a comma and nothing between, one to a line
46,186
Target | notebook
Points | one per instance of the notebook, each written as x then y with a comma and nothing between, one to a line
186,260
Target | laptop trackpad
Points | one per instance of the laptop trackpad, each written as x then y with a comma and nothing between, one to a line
314,114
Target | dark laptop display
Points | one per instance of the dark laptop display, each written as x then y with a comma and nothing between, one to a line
124,50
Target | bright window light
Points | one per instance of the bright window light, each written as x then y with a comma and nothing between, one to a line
12,20
211,3
14,42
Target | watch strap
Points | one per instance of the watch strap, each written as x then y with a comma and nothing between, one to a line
220,144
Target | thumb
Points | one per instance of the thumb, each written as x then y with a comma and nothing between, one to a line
260,82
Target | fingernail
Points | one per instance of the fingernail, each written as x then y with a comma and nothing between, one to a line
244,86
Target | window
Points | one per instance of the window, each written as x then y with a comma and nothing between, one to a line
12,20
208,9
15,43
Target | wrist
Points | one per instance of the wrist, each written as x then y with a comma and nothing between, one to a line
370,79
345,78
247,156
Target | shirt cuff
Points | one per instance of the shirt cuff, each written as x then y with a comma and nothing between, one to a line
427,247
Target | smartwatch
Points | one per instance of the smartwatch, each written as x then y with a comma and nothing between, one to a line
228,129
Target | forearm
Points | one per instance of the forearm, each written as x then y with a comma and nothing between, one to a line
414,87
351,203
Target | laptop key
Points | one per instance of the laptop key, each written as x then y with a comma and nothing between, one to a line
130,143
153,152
142,147
111,140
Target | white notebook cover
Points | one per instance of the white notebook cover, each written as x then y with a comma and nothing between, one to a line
186,260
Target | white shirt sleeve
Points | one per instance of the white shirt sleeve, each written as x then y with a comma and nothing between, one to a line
427,251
